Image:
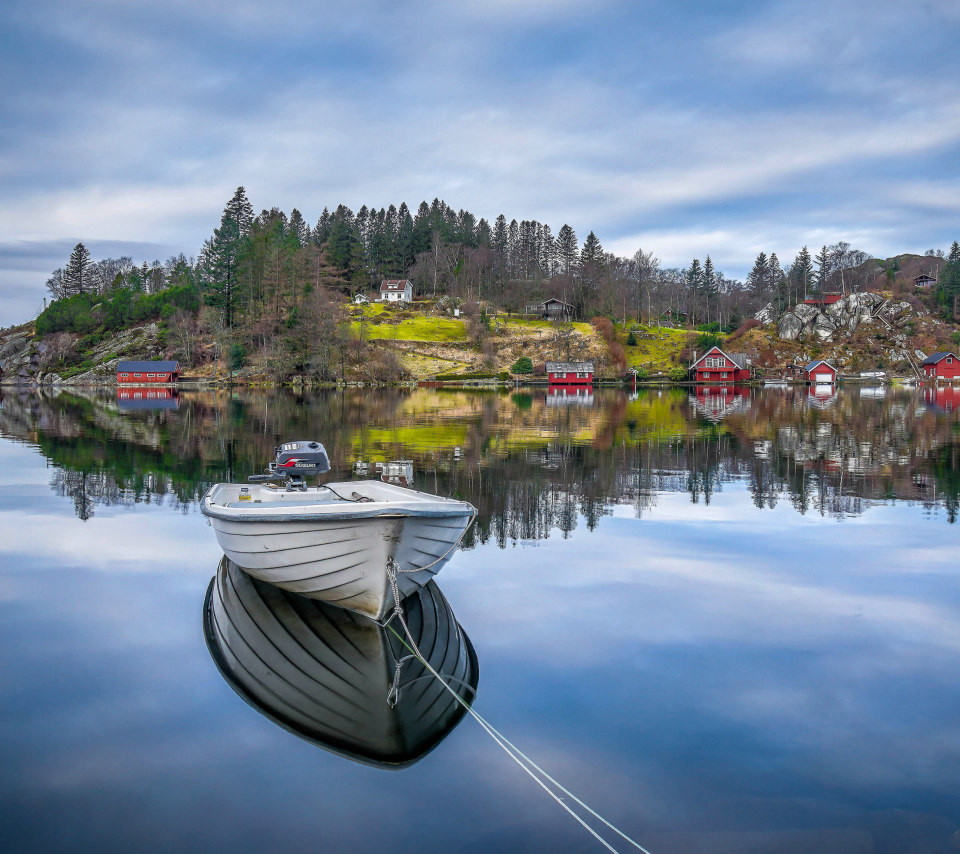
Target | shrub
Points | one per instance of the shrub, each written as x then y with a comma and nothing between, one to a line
631,339
708,327
523,365
743,329
237,357
955,338
476,375
617,356
677,374
504,376
707,340
642,373
603,327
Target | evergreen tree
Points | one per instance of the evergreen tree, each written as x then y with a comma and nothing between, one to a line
567,249
801,272
777,280
76,275
948,286
711,286
694,281
241,210
759,278
823,270
220,260
592,252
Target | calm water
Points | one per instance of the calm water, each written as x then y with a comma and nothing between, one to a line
730,624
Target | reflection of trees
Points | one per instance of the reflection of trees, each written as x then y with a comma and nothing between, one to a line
530,469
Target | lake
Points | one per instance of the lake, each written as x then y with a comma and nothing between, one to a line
727,620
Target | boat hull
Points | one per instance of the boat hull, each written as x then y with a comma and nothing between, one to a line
339,552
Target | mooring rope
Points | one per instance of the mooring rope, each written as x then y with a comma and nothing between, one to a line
393,697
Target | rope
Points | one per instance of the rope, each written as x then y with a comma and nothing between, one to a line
524,761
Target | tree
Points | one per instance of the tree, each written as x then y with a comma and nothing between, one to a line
647,265
77,274
56,285
694,279
801,271
220,261
823,269
840,256
711,286
778,282
241,211
948,286
759,278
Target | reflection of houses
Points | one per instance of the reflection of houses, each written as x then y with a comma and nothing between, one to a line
146,373
129,398
941,366
820,371
717,367
717,402
570,373
822,396
551,309
570,395
397,472
942,398
396,290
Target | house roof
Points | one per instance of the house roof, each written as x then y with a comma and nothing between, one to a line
739,359
923,277
936,357
162,367
394,285
816,362
557,301
569,367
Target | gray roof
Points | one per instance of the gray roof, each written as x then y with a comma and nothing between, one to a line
569,367
816,362
936,357
739,359
162,367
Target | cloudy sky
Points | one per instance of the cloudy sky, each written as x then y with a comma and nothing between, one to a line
686,127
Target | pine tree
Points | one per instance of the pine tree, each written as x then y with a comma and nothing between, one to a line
948,286
759,278
76,275
220,261
567,249
801,271
823,269
694,280
241,210
711,285
777,281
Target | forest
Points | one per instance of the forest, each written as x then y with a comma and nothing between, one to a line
271,283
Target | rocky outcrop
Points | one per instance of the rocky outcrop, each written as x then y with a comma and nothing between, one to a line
767,314
846,314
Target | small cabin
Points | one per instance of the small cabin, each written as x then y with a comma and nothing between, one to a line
823,299
570,373
147,373
924,281
941,366
720,368
396,290
361,299
820,372
551,309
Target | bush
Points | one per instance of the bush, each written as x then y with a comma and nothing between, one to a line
478,375
708,327
955,338
523,365
642,374
707,340
237,356
617,356
743,329
631,339
677,374
603,327
504,376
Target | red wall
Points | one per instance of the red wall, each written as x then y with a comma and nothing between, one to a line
715,375
942,370
570,378
819,370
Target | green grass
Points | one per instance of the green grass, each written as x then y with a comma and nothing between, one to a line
429,329
657,353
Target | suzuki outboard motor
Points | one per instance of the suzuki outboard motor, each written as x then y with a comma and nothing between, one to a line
294,461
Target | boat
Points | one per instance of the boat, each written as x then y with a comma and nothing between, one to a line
360,545
328,675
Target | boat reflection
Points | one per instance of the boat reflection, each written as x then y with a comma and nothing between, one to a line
325,673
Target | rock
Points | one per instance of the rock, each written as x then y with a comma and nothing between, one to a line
824,327
790,327
806,313
767,314
920,355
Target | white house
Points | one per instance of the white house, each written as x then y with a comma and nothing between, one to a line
396,290
360,299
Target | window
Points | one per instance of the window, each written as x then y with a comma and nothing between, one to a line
949,360
706,375
582,375
124,375
723,376
138,376
716,363
151,375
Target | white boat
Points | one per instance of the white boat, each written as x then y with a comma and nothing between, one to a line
328,675
346,543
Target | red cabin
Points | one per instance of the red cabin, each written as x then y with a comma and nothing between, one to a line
825,299
570,373
148,373
820,372
721,368
941,366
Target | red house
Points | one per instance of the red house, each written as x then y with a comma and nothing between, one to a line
570,373
941,366
824,299
820,372
721,368
147,373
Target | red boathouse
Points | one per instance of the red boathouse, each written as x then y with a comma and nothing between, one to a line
820,372
147,373
941,366
570,373
721,368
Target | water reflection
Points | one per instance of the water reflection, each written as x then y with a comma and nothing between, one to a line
325,673
530,465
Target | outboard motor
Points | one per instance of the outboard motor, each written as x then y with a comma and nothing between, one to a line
294,461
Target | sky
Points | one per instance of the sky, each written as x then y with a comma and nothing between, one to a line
683,127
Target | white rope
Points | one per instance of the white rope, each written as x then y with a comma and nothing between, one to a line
393,697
